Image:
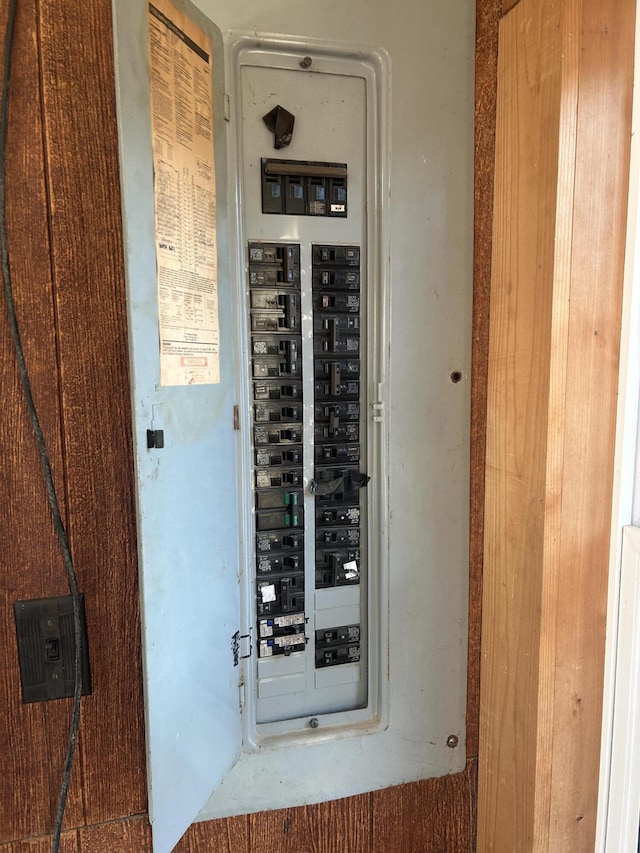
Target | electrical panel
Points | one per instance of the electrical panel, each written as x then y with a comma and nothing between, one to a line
303,522
310,303
293,382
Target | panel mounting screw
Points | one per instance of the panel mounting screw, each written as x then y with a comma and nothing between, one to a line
306,62
313,722
452,741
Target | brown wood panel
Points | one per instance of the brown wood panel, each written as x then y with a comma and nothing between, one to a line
68,844
507,5
80,130
602,139
132,835
435,816
487,17
32,737
562,155
332,827
223,836
529,82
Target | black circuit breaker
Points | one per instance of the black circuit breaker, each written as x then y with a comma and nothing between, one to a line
337,418
338,645
278,369
274,278
304,188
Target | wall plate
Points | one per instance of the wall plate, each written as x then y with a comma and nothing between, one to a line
46,648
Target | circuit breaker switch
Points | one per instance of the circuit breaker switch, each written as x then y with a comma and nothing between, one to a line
290,316
334,375
292,357
333,334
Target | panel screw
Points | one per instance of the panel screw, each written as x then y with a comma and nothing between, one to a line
306,62
456,376
452,741
313,722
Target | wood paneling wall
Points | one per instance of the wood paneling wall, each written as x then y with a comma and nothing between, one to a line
562,159
67,268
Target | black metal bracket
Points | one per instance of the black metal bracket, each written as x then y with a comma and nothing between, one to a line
155,438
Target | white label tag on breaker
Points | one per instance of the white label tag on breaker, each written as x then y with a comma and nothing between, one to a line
268,593
337,208
351,570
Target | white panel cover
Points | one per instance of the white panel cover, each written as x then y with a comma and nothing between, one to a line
187,491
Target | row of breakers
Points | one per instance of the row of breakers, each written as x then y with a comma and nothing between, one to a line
278,447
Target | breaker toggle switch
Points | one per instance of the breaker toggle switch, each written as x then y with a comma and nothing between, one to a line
338,453
343,432
330,302
274,519
338,256
269,564
344,389
349,411
334,421
278,540
338,655
334,372
290,311
348,536
339,515
292,357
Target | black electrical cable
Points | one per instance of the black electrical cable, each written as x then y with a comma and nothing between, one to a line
38,434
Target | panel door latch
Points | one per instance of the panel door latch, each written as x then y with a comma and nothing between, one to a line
155,439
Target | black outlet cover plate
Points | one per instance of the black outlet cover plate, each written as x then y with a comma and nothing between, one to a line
46,648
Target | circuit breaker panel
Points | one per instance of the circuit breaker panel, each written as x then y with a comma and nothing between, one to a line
308,277
308,484
303,527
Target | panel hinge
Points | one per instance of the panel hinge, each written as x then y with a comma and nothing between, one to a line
227,107
241,694
236,418
235,647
